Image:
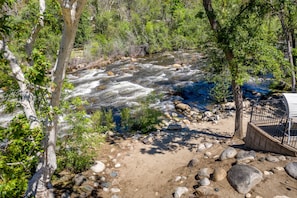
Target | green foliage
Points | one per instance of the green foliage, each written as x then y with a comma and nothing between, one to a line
221,90
85,134
18,157
143,118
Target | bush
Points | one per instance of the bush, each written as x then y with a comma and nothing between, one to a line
143,118
19,154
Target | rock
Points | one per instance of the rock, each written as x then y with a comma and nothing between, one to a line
291,169
205,190
98,167
193,162
179,191
79,179
204,182
115,190
105,185
65,195
219,174
207,154
174,127
282,158
277,169
178,178
248,195
208,145
201,147
117,165
244,177
228,153
85,190
266,173
113,174
181,107
204,172
245,156
271,158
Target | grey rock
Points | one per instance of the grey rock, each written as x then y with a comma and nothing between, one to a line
174,127
105,185
291,169
204,172
98,167
193,162
271,158
179,191
228,153
244,177
65,195
204,182
243,156
113,174
79,179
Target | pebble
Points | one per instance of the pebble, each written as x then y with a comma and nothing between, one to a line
118,165
204,182
179,191
271,158
98,167
113,174
282,158
193,162
207,154
178,178
115,190
268,173
208,145
204,172
248,195
278,168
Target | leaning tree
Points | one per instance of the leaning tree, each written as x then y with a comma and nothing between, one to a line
40,184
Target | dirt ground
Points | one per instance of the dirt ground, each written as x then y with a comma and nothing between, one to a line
151,170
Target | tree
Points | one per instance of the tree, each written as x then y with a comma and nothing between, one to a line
39,185
248,48
286,11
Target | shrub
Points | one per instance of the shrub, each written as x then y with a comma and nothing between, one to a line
19,154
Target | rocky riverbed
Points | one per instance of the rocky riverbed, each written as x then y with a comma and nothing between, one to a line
186,158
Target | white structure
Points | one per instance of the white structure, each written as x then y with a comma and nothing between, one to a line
290,100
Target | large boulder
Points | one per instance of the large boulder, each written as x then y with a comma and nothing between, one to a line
291,169
244,177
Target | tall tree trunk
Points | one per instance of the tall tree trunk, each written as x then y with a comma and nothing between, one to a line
40,185
236,88
237,94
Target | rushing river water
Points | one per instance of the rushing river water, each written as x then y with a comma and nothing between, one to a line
123,82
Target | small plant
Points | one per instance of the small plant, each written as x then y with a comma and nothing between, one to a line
143,118
125,118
